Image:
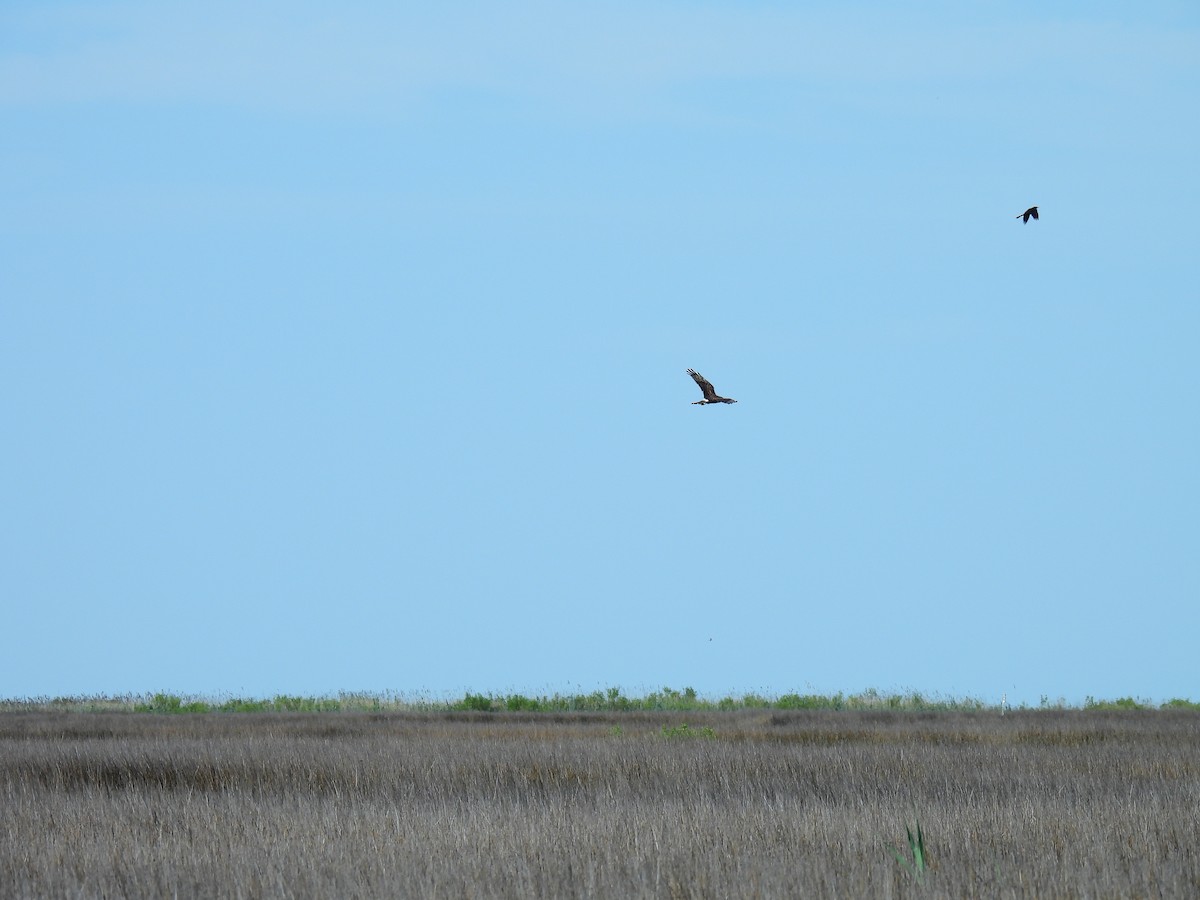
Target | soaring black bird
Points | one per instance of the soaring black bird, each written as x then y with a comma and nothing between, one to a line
1032,211
706,388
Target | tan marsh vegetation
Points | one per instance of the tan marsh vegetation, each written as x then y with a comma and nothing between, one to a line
751,803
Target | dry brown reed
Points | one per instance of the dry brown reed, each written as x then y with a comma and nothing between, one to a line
770,804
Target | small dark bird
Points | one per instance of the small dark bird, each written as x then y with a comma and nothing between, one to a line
1032,211
706,388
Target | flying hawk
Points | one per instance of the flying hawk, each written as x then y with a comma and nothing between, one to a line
710,395
1032,211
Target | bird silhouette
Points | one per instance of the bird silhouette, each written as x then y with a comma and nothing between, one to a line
706,388
1032,211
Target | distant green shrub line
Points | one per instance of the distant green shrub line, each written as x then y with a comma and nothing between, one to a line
610,700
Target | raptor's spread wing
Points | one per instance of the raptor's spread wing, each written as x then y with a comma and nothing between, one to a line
706,387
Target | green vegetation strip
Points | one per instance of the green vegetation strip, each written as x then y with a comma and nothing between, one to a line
610,700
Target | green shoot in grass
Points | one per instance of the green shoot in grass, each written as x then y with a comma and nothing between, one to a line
916,846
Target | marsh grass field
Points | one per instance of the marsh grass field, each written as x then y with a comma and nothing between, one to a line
641,803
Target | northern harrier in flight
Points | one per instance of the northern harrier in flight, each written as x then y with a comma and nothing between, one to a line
710,395
1032,211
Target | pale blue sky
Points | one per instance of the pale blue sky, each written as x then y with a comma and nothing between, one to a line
342,347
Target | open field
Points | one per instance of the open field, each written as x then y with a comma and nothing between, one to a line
743,803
